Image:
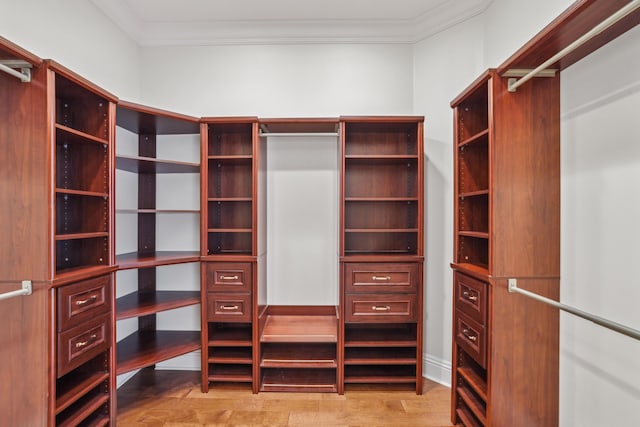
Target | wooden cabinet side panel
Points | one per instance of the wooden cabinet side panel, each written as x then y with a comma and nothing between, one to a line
25,358
525,179
24,179
524,356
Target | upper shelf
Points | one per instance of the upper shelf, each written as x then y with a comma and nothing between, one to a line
141,119
299,126
577,20
137,164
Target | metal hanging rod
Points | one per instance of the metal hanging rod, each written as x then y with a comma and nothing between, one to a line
10,66
626,10
299,134
26,290
614,326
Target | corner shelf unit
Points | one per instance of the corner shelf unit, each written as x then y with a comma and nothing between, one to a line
148,345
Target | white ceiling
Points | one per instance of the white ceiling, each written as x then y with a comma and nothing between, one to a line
195,22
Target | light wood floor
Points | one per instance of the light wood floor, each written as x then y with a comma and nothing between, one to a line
173,399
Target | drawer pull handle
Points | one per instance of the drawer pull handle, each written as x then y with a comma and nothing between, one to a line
229,307
469,336
229,277
469,297
89,300
380,308
91,339
382,278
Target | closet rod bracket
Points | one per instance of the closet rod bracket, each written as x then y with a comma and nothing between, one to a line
12,66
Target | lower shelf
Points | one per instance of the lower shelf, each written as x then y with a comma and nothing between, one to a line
379,374
230,373
91,408
466,418
146,348
300,380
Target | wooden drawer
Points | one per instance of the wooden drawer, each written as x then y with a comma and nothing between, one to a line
472,337
471,297
229,277
380,277
229,308
83,342
380,308
83,301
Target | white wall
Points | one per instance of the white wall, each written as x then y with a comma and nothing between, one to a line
443,66
78,36
600,101
279,81
302,221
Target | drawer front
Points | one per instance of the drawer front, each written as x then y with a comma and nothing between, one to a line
471,297
380,277
229,277
228,308
83,301
471,336
81,343
380,308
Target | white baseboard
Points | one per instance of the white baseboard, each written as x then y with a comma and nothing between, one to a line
437,370
186,362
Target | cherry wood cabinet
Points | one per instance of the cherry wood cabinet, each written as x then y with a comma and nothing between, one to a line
57,141
381,250
507,226
229,198
152,166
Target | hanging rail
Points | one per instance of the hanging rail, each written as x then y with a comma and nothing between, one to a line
626,10
26,290
614,326
299,134
9,67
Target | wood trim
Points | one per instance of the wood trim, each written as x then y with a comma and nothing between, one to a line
575,21
475,85
14,50
79,80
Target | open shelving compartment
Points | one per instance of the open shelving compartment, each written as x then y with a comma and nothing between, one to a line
157,164
299,349
82,177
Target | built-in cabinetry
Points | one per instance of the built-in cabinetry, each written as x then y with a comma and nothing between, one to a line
381,217
507,226
56,142
151,147
82,139
229,250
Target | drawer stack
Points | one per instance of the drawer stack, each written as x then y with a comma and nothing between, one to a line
470,348
83,352
381,323
229,300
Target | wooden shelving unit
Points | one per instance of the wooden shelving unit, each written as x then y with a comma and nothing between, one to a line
229,247
148,345
381,250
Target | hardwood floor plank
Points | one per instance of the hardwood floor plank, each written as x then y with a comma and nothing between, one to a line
173,399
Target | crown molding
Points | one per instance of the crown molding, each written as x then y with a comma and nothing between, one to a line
269,31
